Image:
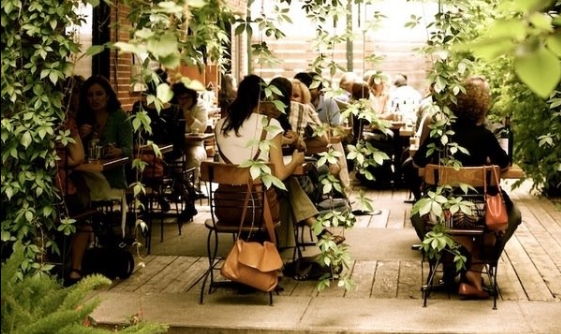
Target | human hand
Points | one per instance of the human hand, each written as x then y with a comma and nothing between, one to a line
289,137
298,157
300,144
85,130
111,151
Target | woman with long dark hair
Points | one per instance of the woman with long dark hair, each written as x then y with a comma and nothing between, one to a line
243,126
102,120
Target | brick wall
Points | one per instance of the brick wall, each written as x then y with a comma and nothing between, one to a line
120,69
121,64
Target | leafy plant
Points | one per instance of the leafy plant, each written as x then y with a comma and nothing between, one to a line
35,62
42,305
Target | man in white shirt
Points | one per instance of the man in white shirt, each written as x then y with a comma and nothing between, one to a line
404,99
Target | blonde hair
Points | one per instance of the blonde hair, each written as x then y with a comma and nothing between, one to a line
304,91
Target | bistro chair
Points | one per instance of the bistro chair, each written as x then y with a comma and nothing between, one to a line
438,175
219,179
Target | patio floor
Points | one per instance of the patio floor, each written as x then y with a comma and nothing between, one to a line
383,265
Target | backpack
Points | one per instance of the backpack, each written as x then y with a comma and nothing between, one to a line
110,261
110,257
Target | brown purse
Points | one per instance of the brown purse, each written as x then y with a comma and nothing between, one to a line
496,216
253,263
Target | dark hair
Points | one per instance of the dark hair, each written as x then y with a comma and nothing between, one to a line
307,78
285,87
360,90
72,88
179,88
85,114
152,85
250,93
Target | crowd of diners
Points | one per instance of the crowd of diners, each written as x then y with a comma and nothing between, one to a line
94,114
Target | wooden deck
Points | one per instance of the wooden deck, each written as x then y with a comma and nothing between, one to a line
383,264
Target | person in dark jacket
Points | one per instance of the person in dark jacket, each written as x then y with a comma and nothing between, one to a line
484,149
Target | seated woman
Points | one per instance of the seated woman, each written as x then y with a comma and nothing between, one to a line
166,129
102,122
328,113
195,114
244,125
74,193
483,147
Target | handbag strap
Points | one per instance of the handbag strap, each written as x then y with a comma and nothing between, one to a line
269,220
495,176
267,216
245,205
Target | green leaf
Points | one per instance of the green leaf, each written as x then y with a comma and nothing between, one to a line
541,21
539,70
526,6
505,29
553,42
491,48
26,139
95,49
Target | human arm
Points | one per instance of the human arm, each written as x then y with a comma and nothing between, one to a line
76,154
333,112
313,122
119,139
283,171
196,118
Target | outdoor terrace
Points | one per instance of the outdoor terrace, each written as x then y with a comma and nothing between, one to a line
387,273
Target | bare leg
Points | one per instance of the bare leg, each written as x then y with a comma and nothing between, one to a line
80,242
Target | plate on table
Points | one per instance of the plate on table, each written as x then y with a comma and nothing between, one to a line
397,123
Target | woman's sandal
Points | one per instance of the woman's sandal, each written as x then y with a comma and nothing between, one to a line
339,239
69,281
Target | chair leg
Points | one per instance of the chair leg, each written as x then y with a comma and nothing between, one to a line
427,288
492,269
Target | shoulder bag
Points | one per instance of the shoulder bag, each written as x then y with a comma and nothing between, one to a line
496,216
253,263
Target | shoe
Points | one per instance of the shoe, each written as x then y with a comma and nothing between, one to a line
338,239
199,194
468,291
164,204
70,281
186,216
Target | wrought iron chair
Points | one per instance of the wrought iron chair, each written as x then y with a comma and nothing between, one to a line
229,183
462,226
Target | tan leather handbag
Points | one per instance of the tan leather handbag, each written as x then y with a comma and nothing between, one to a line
253,263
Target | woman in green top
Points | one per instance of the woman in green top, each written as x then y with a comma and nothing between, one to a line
101,119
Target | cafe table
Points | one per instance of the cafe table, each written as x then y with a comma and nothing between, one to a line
197,137
164,148
101,165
